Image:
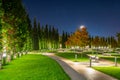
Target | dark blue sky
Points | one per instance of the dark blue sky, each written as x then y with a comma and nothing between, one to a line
101,17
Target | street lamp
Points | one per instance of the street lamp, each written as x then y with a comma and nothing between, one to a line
4,55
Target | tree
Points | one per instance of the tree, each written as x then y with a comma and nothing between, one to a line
118,39
39,35
15,30
71,42
1,21
113,42
56,39
109,42
96,41
46,31
29,35
11,20
63,40
49,39
90,41
35,36
79,38
84,37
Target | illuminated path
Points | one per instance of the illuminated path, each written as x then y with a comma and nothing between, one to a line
79,71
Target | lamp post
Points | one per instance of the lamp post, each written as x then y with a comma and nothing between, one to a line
4,54
0,61
4,58
90,61
116,61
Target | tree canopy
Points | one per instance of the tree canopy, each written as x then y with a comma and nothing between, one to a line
79,38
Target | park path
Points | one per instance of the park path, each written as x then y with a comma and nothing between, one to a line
79,71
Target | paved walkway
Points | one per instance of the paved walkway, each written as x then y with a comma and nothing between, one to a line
80,71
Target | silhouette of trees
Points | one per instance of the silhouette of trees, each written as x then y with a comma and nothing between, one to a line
45,37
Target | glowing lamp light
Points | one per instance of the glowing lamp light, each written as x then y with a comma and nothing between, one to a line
82,26
4,55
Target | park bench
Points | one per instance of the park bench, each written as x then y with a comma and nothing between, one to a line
118,52
94,58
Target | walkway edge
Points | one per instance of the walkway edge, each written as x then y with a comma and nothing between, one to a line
74,75
79,71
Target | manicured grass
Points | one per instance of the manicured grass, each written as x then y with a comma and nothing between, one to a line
71,56
113,71
33,67
115,54
111,59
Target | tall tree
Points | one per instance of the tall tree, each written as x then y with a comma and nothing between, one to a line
63,40
29,35
1,21
15,30
90,41
35,36
96,41
113,42
79,38
39,35
84,37
50,36
71,42
118,39
56,39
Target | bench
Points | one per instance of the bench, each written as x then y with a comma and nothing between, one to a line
94,58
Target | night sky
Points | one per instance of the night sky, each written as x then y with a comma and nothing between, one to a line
101,17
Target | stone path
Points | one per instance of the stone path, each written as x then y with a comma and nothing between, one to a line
79,71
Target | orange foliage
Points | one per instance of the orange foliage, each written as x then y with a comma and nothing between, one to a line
79,38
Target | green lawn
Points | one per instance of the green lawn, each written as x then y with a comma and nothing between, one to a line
33,67
112,59
71,56
113,71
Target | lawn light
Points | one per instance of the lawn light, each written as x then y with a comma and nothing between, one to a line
116,61
4,58
0,62
91,61
4,55
75,56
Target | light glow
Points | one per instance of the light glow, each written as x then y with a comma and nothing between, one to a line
82,26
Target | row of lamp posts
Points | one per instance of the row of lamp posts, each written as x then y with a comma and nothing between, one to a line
3,58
